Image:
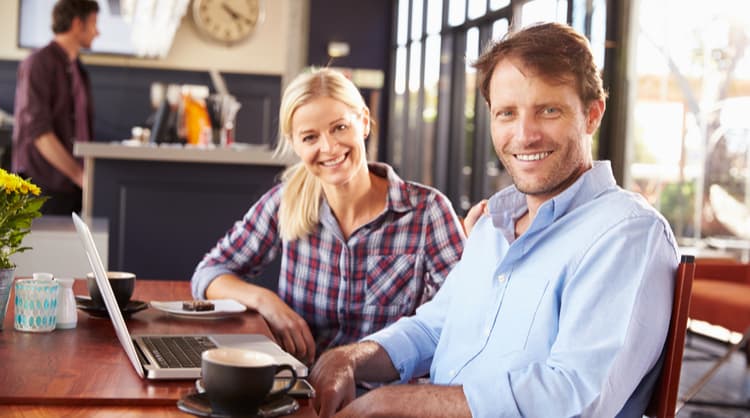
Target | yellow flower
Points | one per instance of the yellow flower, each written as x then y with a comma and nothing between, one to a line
12,183
19,206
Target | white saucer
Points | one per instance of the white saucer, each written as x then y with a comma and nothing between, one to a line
222,309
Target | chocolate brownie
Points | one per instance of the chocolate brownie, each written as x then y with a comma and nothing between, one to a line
197,305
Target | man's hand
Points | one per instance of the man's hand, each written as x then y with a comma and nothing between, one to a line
408,401
333,379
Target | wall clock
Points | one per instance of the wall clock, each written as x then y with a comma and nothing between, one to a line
227,21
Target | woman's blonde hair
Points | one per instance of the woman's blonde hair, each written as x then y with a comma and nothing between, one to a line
299,211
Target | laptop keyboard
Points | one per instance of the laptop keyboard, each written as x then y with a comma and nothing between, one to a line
178,351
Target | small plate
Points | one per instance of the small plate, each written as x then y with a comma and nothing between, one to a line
198,404
222,309
83,303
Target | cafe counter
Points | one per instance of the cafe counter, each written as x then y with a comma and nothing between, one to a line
168,204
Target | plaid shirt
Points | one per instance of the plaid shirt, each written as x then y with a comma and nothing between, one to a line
346,289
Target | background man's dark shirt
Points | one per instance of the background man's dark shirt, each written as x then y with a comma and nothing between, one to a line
46,102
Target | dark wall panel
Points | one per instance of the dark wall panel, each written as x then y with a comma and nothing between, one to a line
364,24
164,217
8,71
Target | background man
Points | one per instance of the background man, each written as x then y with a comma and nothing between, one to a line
560,304
53,107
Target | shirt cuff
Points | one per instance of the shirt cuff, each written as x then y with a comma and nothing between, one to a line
403,351
203,277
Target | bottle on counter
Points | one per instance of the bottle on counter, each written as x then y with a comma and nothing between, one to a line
195,118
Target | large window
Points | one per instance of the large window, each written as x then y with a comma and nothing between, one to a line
689,133
439,126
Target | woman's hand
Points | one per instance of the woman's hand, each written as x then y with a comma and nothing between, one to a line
290,330
473,216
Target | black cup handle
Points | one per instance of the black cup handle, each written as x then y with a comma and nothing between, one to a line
292,381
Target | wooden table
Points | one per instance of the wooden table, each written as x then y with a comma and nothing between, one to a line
85,372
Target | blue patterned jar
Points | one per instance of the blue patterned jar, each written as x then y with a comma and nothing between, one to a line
36,305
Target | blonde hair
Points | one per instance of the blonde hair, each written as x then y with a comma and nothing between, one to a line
299,211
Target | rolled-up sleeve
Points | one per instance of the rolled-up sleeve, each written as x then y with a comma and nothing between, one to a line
410,342
35,97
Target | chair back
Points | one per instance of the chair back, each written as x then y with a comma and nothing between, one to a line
664,399
725,270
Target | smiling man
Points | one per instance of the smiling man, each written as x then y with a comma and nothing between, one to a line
561,302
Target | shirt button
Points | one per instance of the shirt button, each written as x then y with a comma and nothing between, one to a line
452,373
501,278
487,331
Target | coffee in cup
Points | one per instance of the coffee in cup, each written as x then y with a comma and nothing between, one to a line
237,381
122,283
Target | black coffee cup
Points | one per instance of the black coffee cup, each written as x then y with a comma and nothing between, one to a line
237,381
122,283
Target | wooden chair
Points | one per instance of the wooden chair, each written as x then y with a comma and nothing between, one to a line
663,402
721,296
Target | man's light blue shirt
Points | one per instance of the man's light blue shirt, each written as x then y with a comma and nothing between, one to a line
569,319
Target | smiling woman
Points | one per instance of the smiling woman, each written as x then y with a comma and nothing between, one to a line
359,246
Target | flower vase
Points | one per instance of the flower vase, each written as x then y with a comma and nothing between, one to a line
6,283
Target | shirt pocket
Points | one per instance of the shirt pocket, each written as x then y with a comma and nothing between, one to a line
393,281
517,315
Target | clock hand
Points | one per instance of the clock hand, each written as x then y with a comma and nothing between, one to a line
234,14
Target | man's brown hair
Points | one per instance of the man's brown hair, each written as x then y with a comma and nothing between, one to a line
66,10
553,51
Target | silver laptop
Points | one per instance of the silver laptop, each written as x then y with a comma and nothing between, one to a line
148,353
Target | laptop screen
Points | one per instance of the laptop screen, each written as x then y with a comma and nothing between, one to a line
100,273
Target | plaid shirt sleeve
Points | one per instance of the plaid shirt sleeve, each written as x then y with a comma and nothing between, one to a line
252,243
444,242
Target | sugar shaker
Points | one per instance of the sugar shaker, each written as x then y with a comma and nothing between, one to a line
67,316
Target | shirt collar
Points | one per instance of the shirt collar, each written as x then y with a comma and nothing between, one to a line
509,204
397,198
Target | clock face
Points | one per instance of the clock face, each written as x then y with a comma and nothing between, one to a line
226,21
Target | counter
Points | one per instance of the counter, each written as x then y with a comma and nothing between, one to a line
237,154
241,154
167,205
